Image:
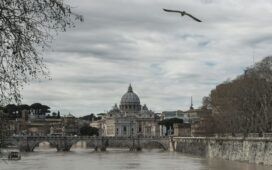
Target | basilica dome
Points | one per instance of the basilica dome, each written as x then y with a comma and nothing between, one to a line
130,101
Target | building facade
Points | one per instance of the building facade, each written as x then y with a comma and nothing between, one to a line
129,119
165,131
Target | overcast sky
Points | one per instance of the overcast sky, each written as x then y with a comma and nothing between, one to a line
167,58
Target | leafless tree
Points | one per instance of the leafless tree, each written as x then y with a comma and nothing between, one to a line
26,28
244,105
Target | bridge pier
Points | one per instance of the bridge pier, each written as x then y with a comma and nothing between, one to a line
24,148
135,144
24,144
63,148
100,148
63,145
135,148
102,144
103,148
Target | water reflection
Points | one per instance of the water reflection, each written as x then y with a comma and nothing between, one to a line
45,158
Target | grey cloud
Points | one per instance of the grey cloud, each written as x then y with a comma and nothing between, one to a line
166,57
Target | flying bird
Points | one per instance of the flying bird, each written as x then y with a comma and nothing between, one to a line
182,14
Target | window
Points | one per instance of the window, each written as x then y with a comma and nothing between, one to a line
124,130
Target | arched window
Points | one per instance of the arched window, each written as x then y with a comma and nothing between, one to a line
140,129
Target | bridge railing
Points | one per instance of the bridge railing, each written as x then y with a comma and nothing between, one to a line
87,137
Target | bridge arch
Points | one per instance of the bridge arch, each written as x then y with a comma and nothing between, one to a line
35,144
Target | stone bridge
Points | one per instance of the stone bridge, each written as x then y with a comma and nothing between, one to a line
64,143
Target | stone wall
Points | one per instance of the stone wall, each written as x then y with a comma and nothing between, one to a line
252,150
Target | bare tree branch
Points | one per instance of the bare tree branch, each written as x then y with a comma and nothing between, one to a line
26,28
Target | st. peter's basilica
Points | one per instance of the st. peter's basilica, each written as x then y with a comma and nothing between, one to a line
129,119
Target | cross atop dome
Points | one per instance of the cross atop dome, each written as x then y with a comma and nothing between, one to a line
130,88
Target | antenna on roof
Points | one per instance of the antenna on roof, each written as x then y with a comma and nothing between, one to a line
253,56
191,107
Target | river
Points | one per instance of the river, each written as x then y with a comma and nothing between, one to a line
116,159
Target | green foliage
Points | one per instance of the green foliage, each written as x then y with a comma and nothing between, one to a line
15,111
90,117
170,122
54,115
40,109
88,131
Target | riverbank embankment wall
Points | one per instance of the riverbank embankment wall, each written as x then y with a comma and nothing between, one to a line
253,149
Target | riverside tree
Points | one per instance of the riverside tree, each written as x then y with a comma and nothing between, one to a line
87,130
26,28
244,105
